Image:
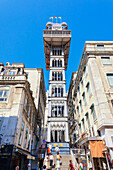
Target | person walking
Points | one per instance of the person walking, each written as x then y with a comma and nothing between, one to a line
104,165
50,147
80,166
57,156
89,165
51,160
46,162
57,150
58,164
48,151
71,165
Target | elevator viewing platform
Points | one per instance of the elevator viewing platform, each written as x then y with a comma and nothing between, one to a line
56,35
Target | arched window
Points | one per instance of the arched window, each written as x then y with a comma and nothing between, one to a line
60,63
60,76
61,92
55,63
52,63
57,111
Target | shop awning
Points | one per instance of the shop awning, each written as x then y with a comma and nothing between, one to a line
96,149
29,156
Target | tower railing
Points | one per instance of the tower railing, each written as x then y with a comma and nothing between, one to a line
56,33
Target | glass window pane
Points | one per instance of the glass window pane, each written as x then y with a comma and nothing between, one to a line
5,93
1,99
110,79
106,60
1,93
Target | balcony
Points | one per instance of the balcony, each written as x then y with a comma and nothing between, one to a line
13,77
52,33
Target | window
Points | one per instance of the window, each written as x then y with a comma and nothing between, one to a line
85,71
56,63
57,92
112,102
4,92
83,124
57,76
110,78
106,61
26,102
57,111
80,128
81,81
93,112
100,45
84,98
79,89
81,105
78,110
32,117
29,140
29,113
59,63
88,89
57,52
12,72
87,119
26,133
21,133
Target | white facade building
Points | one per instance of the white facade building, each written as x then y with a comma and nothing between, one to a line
56,43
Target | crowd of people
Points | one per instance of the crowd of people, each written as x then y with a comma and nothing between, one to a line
49,161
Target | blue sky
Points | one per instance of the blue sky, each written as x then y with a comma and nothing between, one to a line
22,23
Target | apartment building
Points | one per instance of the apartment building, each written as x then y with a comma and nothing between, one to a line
71,111
93,100
20,120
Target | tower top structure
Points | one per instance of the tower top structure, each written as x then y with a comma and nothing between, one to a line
56,36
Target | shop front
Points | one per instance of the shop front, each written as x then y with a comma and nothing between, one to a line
98,157
11,156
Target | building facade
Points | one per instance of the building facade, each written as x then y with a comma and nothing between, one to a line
93,101
71,111
56,44
19,118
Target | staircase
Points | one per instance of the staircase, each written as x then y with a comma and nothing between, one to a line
65,161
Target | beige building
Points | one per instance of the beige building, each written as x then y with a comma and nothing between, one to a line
21,115
71,111
93,95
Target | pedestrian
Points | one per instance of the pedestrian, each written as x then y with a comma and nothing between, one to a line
57,149
46,162
51,160
77,165
71,165
48,151
50,147
104,167
58,156
80,166
89,165
41,163
58,164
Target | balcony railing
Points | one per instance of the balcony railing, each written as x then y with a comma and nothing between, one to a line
50,33
12,77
